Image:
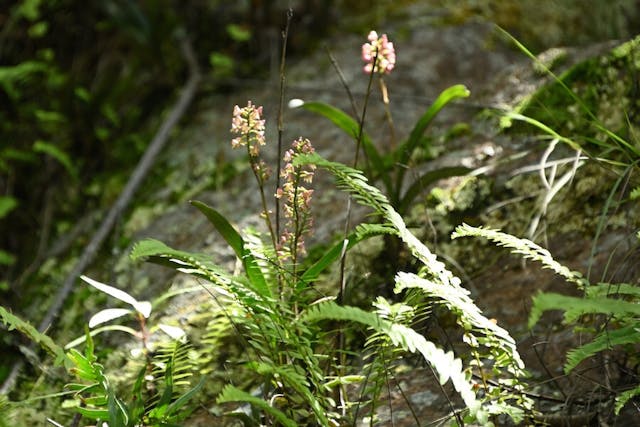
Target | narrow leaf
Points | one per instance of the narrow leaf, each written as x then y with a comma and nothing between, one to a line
106,315
184,398
233,394
235,241
111,291
58,154
448,95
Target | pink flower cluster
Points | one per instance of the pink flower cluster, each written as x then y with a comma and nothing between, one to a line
297,200
386,54
249,125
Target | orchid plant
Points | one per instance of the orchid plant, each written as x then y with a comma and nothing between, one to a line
390,165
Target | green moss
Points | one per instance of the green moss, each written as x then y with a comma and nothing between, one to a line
605,101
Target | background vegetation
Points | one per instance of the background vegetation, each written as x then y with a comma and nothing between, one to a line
84,86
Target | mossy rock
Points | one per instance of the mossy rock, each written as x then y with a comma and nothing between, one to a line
591,101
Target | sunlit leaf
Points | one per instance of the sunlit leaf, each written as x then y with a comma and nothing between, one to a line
106,315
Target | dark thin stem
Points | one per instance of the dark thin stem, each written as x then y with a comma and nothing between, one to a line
343,81
347,223
285,37
354,106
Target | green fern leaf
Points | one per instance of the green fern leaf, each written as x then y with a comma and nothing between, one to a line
298,382
43,340
575,307
356,184
608,289
233,394
604,341
199,265
624,397
524,247
446,365
458,301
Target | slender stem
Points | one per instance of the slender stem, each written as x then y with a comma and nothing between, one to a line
347,226
343,81
285,36
354,106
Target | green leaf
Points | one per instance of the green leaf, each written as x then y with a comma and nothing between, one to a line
624,397
406,149
233,394
191,263
137,402
58,154
184,398
14,322
312,273
446,364
574,307
604,341
6,258
523,247
235,241
93,413
118,412
7,204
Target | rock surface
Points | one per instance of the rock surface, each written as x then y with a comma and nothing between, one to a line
430,58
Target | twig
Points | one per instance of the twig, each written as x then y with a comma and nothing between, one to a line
144,165
283,57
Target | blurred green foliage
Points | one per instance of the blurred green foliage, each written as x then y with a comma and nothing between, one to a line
82,89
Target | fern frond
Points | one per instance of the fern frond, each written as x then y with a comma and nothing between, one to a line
624,397
294,379
608,289
457,299
575,307
604,341
233,394
356,184
446,365
200,265
14,322
524,247
177,355
364,231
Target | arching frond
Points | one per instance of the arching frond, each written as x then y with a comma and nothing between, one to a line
524,247
604,341
445,364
